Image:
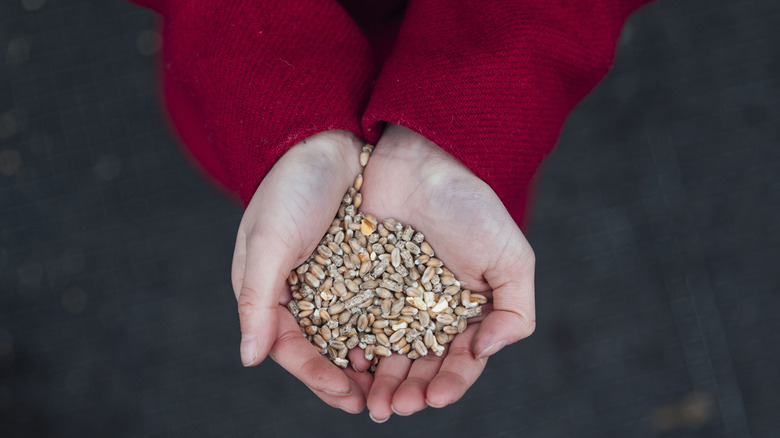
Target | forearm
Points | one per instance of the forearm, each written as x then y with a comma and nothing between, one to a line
492,82
246,82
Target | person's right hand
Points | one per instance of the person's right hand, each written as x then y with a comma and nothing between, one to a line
288,215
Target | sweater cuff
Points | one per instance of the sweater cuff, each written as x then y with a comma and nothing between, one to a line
258,77
492,82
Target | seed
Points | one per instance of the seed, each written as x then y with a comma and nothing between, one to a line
433,262
461,324
451,290
395,257
445,319
450,330
325,333
440,306
471,313
400,344
364,158
397,306
399,325
397,336
478,298
391,224
305,305
336,308
428,274
366,227
425,318
319,341
408,311
383,293
382,338
381,350
419,303
362,323
369,284
324,251
465,297
317,271
420,347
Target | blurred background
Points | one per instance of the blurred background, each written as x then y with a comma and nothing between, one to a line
655,227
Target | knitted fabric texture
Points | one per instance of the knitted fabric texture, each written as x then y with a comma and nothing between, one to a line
489,82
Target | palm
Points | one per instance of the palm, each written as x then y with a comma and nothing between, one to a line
417,183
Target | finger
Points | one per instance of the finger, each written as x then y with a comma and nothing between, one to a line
263,279
239,262
357,358
354,403
363,380
513,316
457,373
410,396
390,372
295,354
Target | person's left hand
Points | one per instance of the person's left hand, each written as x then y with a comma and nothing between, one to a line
414,181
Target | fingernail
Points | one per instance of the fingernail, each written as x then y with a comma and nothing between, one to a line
349,412
248,349
433,405
375,420
338,394
398,413
493,349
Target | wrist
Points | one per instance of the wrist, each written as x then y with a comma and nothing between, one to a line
420,156
335,149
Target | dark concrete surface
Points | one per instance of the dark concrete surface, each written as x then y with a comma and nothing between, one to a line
655,228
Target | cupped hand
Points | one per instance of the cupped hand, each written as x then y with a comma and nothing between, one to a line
414,181
285,220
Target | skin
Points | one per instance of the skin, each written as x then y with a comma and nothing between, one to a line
410,179
283,223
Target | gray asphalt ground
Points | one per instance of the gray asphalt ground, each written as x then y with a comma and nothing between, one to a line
655,228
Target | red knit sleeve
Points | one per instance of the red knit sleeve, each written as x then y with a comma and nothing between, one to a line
492,82
245,80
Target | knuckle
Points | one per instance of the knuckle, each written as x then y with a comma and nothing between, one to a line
246,303
528,326
529,258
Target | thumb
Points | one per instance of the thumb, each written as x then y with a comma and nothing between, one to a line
258,291
514,315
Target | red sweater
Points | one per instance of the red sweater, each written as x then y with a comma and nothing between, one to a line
489,82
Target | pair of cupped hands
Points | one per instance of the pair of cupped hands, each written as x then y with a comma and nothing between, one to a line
414,181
